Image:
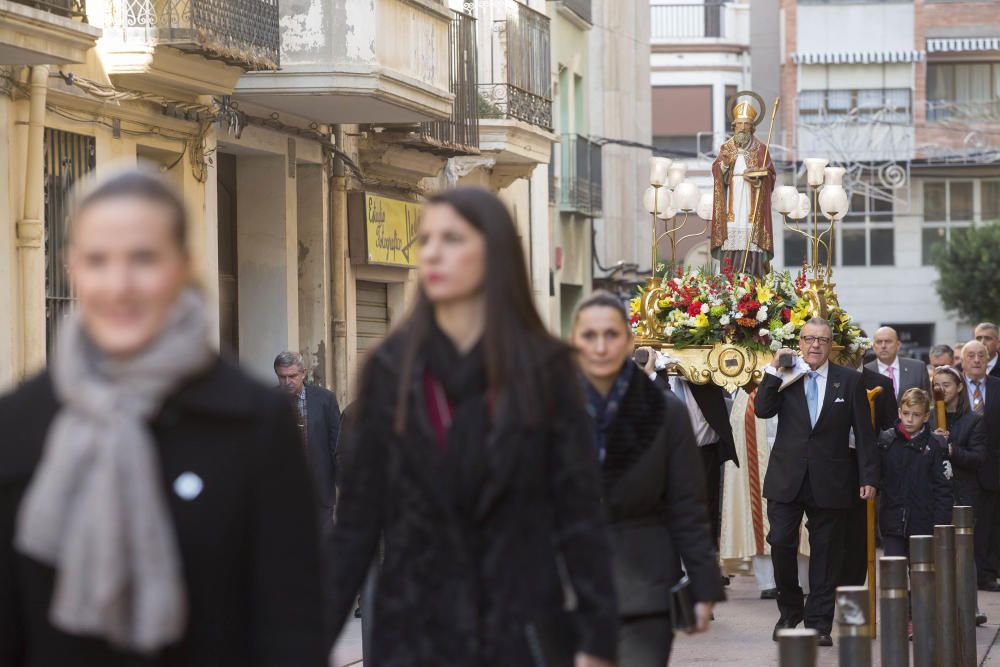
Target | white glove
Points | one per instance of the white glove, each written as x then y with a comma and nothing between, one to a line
948,474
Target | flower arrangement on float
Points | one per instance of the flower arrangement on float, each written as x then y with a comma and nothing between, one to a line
762,314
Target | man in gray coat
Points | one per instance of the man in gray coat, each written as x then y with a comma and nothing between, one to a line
903,373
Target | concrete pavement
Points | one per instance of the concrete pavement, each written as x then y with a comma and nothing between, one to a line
740,635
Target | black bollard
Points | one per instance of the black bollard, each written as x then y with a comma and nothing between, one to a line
922,593
797,648
895,611
944,590
965,585
853,626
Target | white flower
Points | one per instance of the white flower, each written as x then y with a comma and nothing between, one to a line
775,345
740,292
763,332
669,330
739,314
704,309
724,320
762,314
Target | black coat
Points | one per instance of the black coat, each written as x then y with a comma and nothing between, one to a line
711,400
967,437
655,495
989,472
248,542
823,452
915,493
886,407
459,588
322,429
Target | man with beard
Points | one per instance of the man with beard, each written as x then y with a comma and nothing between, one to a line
743,176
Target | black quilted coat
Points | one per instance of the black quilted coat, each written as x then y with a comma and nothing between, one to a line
465,589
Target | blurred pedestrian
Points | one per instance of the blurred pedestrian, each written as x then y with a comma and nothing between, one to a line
941,355
904,373
319,424
988,334
154,502
654,488
473,458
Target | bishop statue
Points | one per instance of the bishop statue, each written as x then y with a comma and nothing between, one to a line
743,177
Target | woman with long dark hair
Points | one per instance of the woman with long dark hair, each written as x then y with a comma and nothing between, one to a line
470,456
155,508
654,489
965,433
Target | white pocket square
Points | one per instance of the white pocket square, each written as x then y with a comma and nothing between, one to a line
838,400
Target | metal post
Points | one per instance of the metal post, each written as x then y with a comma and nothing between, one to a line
944,588
853,628
797,648
895,610
965,585
922,587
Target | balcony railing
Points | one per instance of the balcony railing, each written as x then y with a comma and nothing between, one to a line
580,177
239,32
461,132
520,83
73,9
688,21
581,8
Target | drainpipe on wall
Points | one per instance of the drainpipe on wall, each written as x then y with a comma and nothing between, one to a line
31,231
338,270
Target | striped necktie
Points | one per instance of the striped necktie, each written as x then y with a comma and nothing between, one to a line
978,405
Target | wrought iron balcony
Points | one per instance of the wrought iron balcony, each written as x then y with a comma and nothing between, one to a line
239,32
580,178
688,21
460,133
518,84
73,9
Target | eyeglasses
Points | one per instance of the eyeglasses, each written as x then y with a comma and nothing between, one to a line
822,340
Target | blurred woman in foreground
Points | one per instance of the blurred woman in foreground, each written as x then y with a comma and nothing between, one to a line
653,485
470,454
154,501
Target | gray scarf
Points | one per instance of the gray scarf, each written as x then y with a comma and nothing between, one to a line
96,509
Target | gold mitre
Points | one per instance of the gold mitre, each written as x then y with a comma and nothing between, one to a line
744,113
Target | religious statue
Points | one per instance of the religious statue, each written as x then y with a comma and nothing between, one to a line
743,176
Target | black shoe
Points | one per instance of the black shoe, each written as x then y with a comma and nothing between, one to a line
769,594
357,612
980,618
825,640
990,586
782,624
726,581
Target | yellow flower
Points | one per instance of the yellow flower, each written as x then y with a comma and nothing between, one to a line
635,305
663,304
799,313
701,321
764,293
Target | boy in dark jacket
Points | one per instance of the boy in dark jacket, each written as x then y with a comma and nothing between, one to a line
916,482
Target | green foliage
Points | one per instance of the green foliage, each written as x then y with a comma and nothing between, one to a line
969,269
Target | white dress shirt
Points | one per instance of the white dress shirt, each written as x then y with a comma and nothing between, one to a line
821,374
703,433
884,370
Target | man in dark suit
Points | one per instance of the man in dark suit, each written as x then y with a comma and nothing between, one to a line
811,472
706,405
903,373
854,571
319,422
988,334
984,398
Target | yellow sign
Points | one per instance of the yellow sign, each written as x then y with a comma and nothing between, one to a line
391,231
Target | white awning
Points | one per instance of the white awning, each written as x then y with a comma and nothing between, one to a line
946,44
857,58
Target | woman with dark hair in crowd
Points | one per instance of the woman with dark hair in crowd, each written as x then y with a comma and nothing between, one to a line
965,434
155,508
653,486
471,456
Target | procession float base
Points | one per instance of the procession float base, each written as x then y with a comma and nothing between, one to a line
725,328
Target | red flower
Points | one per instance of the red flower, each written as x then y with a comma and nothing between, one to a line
635,319
694,309
786,314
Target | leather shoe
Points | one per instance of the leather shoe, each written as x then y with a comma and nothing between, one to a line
825,640
980,618
783,624
990,586
769,594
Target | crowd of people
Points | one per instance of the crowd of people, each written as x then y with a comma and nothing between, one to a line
510,498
